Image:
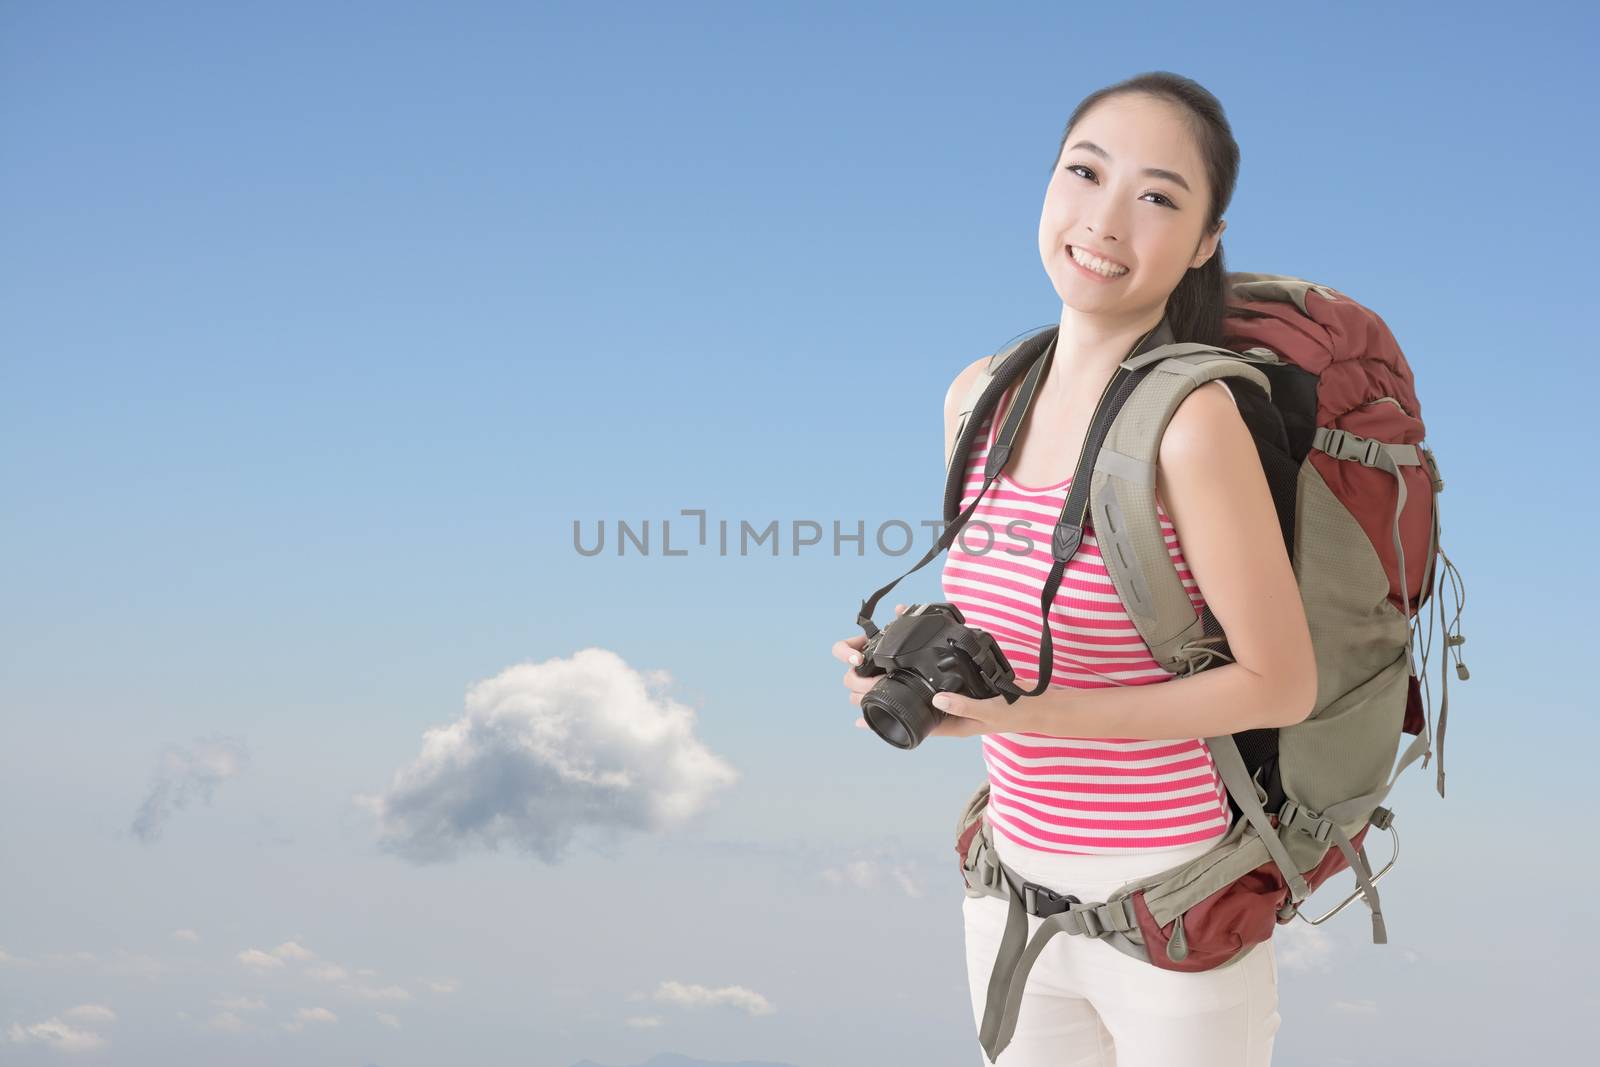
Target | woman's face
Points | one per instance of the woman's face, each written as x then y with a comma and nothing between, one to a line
1102,199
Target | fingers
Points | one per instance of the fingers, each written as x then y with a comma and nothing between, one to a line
846,648
857,684
861,724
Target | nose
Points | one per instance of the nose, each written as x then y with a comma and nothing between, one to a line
1109,236
1105,220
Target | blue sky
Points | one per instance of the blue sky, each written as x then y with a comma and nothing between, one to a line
320,326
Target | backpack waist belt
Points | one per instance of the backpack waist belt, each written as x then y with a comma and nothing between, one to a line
987,875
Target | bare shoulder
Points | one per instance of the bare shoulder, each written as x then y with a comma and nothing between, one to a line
1205,435
956,394
1203,415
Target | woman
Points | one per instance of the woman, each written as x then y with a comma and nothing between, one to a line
1130,237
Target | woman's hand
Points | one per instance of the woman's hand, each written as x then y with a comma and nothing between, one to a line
965,716
849,650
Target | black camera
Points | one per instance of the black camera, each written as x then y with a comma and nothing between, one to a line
928,649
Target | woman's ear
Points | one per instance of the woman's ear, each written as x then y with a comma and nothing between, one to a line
1208,245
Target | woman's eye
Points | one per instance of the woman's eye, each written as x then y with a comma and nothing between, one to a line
1075,167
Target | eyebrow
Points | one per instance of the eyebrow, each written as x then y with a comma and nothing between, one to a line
1155,172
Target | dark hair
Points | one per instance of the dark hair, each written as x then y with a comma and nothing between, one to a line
1199,303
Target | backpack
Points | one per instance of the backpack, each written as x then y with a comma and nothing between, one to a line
1331,404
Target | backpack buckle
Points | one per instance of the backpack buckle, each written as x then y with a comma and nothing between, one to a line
1044,902
1294,812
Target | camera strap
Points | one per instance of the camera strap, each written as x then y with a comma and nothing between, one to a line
1067,537
1020,404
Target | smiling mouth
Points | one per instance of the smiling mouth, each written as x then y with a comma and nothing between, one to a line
1108,277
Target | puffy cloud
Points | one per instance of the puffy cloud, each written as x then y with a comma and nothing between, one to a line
865,873
57,1035
643,1022
1302,947
543,749
254,957
699,996
60,1035
227,1022
448,985
388,1020
293,950
184,774
186,935
310,1015
268,961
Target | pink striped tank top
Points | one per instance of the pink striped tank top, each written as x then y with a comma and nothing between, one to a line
1102,795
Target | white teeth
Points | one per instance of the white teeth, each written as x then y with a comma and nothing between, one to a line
1096,264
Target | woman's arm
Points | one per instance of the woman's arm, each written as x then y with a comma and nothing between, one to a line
1210,481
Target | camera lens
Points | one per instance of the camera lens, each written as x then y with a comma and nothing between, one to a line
899,712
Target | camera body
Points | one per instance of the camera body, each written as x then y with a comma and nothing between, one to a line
928,649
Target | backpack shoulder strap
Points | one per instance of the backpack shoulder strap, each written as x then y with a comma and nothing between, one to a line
985,378
998,372
1122,501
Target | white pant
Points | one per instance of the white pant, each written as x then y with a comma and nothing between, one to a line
1086,1004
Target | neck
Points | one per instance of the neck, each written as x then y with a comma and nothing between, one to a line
1088,349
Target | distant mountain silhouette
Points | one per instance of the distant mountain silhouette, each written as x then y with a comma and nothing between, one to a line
672,1059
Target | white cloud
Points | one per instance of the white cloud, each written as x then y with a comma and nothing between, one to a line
699,996
62,1037
327,972
184,774
8,960
388,1020
186,935
291,950
448,985
644,1022
872,874
310,1015
254,957
545,748
57,1034
227,1022
1302,947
